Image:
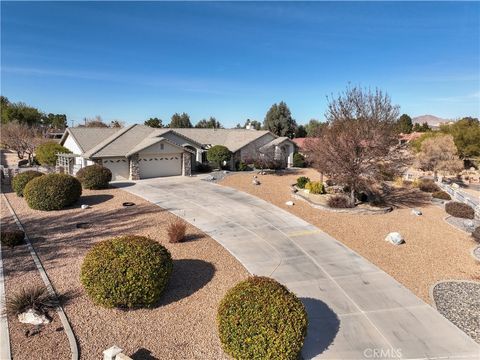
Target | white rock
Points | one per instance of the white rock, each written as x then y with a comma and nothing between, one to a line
416,212
255,182
455,186
225,171
33,318
289,203
469,224
395,238
306,191
84,206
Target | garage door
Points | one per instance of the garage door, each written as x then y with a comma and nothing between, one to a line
118,167
156,165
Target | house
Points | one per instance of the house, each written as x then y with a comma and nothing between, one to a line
139,152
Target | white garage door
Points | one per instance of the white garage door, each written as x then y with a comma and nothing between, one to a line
118,167
155,165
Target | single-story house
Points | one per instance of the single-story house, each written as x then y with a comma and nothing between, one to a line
139,152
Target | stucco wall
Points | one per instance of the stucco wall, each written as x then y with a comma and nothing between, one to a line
157,149
251,150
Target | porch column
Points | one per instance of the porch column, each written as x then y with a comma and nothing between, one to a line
134,167
291,150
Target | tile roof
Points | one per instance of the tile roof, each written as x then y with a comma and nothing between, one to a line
87,137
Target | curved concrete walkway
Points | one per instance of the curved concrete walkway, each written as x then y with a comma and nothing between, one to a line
355,309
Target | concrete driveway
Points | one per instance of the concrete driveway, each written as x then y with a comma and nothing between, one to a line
355,309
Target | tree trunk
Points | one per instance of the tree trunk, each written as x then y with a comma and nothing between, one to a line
352,196
321,177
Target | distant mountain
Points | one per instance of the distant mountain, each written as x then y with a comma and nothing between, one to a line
432,121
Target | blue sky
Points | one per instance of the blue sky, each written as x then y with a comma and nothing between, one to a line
135,60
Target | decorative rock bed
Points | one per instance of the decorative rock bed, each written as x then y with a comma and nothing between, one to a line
459,302
476,253
466,225
359,209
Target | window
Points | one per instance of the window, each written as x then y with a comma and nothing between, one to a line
161,146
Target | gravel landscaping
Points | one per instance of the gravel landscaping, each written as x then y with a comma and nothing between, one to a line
466,225
182,326
459,302
434,250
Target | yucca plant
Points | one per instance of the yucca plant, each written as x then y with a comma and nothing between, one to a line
176,231
36,298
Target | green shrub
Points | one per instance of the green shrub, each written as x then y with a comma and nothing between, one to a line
441,195
21,179
94,177
315,187
302,181
46,153
476,234
241,166
298,160
52,192
203,168
218,154
12,238
428,185
339,202
460,210
126,272
260,319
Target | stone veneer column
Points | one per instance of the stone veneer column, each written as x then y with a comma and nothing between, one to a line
134,168
186,164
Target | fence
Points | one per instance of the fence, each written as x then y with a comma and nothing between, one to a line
460,196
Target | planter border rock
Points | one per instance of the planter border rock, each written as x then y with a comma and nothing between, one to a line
476,252
356,210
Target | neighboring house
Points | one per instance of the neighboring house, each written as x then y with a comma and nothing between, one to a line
139,152
406,138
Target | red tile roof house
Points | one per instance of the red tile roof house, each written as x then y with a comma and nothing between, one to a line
139,152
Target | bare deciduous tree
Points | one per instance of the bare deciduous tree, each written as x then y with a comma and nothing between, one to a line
439,154
21,138
358,148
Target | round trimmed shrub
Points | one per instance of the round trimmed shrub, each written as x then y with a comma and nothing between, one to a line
21,180
261,319
442,195
218,154
315,187
94,177
302,181
460,210
12,237
46,154
126,272
52,192
476,234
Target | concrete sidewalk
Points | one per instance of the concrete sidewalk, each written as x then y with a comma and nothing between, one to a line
355,309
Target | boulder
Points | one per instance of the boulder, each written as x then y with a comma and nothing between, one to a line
395,238
469,224
32,317
289,203
85,206
255,182
210,178
416,212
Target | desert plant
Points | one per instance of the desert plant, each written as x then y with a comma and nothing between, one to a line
12,237
261,319
339,202
302,181
46,153
298,160
176,231
476,234
94,177
428,185
242,166
460,210
21,179
52,192
441,195
315,187
36,298
126,272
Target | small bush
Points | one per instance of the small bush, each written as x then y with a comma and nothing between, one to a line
176,231
260,319
241,166
219,154
302,181
298,160
339,202
36,298
460,210
203,168
428,185
21,180
94,177
52,192
46,153
12,238
126,272
315,187
441,195
476,234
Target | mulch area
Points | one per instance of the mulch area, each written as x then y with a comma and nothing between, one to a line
434,250
182,326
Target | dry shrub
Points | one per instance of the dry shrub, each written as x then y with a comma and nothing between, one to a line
460,210
176,231
428,185
476,234
339,202
12,238
442,195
